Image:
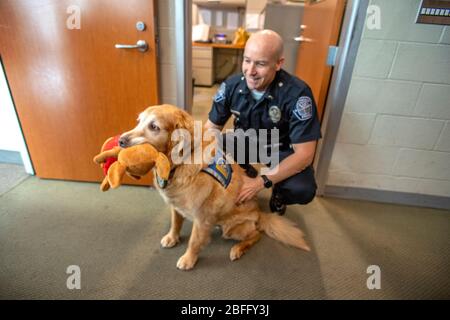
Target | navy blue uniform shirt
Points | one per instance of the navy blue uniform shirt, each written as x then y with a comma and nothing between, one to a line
287,104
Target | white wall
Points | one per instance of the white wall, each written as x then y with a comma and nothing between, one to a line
11,138
395,131
255,14
10,134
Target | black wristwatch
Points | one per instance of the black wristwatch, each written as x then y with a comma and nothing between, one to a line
267,181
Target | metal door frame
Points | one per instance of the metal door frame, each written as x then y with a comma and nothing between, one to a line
183,47
349,40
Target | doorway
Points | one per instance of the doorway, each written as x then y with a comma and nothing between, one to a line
333,90
306,44
215,56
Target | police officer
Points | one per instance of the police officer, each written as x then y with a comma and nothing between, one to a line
265,96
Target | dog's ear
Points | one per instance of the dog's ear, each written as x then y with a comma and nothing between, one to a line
162,166
184,121
115,174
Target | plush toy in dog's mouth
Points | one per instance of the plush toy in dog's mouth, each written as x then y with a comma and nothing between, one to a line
136,161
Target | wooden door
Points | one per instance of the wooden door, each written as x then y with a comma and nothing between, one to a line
322,21
71,87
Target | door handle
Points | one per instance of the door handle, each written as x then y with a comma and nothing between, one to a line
141,45
303,39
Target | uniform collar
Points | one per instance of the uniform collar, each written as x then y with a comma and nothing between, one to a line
271,91
242,88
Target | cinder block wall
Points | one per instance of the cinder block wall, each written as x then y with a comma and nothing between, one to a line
395,131
167,51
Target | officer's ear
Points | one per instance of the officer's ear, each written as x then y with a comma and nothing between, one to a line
280,63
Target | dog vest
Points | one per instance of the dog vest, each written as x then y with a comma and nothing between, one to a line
220,169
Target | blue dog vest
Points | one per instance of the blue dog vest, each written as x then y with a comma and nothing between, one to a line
220,169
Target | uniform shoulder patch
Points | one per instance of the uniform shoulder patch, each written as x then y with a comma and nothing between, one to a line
303,108
220,94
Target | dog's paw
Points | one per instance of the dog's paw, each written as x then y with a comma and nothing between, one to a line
236,252
169,240
186,262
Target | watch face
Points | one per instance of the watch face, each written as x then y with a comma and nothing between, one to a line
267,182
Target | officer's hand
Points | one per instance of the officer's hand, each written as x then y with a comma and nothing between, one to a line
250,187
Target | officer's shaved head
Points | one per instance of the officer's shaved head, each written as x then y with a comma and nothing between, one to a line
269,41
263,57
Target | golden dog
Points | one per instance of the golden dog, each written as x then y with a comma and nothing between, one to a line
195,195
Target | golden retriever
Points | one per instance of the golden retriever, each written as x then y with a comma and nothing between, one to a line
195,195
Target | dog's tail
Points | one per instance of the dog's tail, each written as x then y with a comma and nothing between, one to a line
283,230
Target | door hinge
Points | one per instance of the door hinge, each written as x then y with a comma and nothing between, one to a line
332,54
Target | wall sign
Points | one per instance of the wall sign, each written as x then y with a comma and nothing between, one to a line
434,12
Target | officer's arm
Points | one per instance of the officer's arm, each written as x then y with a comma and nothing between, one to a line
211,125
302,157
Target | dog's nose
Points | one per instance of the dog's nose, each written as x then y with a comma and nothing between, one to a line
123,142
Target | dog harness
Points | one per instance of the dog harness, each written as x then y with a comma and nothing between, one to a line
220,169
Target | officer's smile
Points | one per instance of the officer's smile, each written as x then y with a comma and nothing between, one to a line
253,80
253,83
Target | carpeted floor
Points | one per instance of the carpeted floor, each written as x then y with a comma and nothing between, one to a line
47,226
113,237
10,176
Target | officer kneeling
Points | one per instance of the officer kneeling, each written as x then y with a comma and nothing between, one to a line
266,97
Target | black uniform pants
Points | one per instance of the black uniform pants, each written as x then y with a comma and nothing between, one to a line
297,189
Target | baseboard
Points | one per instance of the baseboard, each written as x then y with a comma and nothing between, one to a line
410,199
7,156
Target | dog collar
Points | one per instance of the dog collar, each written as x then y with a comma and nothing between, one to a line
163,183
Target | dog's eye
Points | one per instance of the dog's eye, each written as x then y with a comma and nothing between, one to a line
153,126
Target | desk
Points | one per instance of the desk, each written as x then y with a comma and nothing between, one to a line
203,61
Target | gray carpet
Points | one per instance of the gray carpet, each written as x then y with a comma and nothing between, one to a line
10,176
46,226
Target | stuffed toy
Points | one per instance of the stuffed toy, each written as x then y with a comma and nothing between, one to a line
136,161
240,37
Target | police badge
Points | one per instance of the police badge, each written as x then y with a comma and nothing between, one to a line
220,95
303,108
275,114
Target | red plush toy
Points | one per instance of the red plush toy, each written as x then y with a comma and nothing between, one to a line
110,144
